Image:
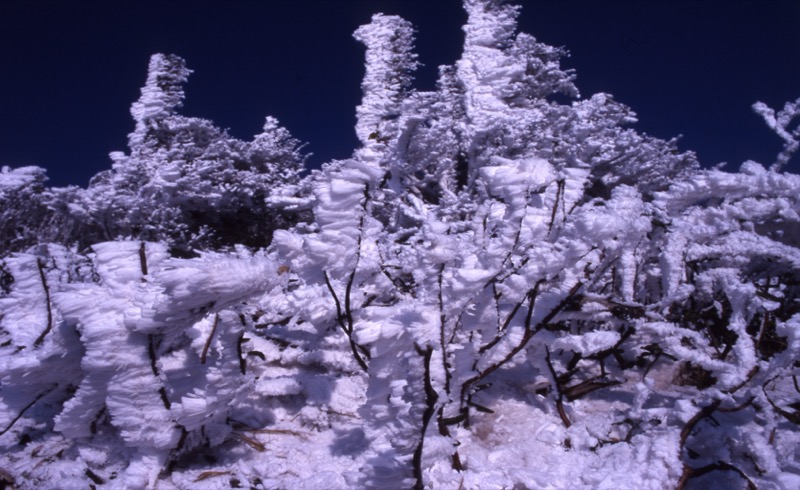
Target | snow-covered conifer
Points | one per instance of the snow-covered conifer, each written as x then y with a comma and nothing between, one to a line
22,209
782,123
390,61
187,181
161,96
503,287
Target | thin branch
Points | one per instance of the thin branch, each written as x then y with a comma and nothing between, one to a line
347,293
25,409
692,423
357,350
738,408
339,316
560,400
750,375
143,260
208,340
362,353
430,408
443,422
583,388
442,342
151,352
46,289
210,474
791,417
689,473
242,363
559,192
531,297
527,335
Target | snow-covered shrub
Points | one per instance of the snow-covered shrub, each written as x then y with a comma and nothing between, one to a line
506,286
187,181
132,350
24,216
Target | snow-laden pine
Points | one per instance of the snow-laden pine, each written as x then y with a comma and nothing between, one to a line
505,286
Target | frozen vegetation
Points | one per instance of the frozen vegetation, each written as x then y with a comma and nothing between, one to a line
505,287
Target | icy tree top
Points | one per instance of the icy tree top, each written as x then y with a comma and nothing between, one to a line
161,94
12,179
781,124
390,60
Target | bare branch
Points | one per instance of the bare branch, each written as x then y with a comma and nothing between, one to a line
25,409
208,340
46,289
430,408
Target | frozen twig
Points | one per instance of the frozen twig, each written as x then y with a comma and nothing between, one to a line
40,340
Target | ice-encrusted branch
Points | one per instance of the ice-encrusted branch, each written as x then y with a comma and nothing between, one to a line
390,62
46,289
781,123
161,95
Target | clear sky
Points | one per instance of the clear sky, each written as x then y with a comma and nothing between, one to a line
71,68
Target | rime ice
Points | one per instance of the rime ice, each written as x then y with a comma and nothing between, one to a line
499,289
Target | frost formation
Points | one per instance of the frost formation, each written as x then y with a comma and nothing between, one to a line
499,289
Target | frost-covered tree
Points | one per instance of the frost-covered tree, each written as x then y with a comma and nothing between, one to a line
21,207
535,251
187,181
506,286
390,63
782,123
32,214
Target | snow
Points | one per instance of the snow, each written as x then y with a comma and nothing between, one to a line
495,291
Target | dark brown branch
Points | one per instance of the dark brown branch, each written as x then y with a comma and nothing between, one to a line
692,423
442,342
339,316
162,392
359,352
25,409
738,408
791,417
583,388
502,328
347,293
559,192
208,340
443,422
242,363
143,260
531,297
526,337
560,399
93,476
46,289
151,352
93,425
750,375
430,408
689,473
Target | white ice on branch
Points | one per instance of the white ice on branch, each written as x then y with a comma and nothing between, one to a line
502,287
162,94
782,123
390,61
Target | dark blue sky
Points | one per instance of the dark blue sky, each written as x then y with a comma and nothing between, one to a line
71,68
